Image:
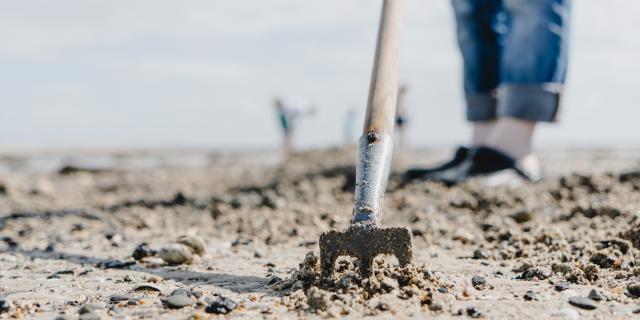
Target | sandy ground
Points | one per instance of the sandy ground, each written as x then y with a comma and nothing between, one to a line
482,250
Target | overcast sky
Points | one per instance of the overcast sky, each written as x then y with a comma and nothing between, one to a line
159,73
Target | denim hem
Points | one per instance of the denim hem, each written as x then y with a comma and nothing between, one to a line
481,107
536,102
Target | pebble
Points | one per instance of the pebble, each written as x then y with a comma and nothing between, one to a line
89,307
5,305
522,216
535,273
480,254
479,282
596,294
180,292
64,317
114,264
529,296
133,302
176,254
473,312
146,287
583,303
142,251
634,289
118,298
562,286
221,305
196,244
179,301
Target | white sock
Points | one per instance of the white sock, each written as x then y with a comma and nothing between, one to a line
481,132
512,136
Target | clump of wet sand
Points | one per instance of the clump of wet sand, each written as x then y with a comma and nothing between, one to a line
345,290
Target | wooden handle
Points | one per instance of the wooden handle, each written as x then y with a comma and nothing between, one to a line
383,92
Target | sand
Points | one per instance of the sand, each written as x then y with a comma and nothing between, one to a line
482,249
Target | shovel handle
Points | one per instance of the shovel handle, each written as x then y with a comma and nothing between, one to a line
383,91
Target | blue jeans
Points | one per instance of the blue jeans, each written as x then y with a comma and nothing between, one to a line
515,56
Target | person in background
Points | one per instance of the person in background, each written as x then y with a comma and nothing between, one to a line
288,118
515,55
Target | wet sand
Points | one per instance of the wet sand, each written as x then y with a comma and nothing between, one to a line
481,250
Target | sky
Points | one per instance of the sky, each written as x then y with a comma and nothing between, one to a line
159,73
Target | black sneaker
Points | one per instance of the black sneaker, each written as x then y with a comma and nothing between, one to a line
485,161
423,173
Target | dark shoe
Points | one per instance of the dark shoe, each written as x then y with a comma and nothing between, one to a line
423,173
484,161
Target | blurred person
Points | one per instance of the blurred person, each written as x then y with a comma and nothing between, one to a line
402,116
515,55
288,117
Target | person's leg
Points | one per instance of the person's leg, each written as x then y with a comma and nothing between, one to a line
533,71
479,32
481,131
480,28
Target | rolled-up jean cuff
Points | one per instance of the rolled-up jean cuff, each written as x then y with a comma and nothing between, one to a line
539,102
481,107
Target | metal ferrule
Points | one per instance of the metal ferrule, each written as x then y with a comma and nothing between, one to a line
375,152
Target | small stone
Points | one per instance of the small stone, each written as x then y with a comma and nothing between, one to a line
636,311
176,254
179,301
535,274
479,282
480,254
583,303
142,251
522,216
90,307
634,289
562,286
604,261
64,317
529,296
114,264
146,287
196,244
383,306
118,298
473,312
133,302
5,305
221,305
181,292
596,294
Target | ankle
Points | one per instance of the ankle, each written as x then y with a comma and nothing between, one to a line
512,137
481,132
